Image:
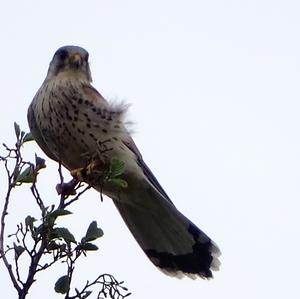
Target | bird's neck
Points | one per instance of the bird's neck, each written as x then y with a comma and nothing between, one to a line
70,75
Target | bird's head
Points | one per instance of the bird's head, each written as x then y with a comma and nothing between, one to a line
70,61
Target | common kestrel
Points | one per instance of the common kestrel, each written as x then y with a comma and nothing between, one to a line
76,126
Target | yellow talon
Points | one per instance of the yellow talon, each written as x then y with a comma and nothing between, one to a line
77,173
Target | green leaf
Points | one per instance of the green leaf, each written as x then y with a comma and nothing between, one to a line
28,137
16,172
93,233
39,230
59,212
17,130
51,217
22,135
26,176
29,222
53,245
39,162
62,285
120,183
64,233
18,250
87,247
116,168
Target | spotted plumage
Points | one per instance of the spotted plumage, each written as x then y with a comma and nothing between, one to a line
74,125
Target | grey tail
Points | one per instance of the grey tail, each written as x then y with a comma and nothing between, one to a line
169,239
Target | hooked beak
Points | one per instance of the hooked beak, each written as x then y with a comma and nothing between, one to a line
76,60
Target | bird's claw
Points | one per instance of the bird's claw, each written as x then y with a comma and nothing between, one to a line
83,173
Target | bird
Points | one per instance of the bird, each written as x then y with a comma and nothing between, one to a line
76,126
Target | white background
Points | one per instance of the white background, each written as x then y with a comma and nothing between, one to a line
214,88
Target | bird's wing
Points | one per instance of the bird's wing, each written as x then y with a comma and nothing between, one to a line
170,240
126,138
128,141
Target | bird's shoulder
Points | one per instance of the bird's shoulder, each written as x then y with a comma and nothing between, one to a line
93,94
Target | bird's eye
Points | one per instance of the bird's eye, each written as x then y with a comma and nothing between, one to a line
86,57
62,54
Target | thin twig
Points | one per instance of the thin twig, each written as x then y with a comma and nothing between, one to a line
38,198
46,234
65,204
2,230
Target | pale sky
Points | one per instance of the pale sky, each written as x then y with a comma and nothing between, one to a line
214,88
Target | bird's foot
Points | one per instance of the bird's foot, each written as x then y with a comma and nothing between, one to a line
84,174
78,173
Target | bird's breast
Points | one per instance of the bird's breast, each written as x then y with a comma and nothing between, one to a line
75,128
